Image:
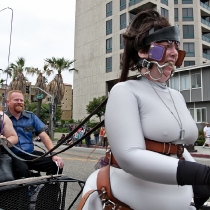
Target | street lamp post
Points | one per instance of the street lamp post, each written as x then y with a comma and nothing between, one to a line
52,111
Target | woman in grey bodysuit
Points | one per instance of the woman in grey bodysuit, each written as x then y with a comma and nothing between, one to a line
148,179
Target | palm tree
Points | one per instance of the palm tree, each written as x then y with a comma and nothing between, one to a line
15,71
2,82
56,86
40,82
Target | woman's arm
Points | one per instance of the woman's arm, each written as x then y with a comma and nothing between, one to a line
187,156
9,131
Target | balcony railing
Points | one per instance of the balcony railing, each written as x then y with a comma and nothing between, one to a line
188,36
133,2
122,26
187,18
206,56
164,2
187,1
190,54
205,22
109,13
123,6
205,38
204,6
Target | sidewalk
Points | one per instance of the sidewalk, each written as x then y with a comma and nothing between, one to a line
201,152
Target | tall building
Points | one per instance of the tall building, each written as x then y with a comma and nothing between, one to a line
66,103
98,42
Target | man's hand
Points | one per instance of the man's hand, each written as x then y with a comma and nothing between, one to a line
58,161
48,144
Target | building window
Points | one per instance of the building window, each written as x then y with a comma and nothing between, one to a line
200,115
133,2
123,21
109,9
176,15
122,4
121,42
185,82
131,16
189,63
108,27
175,1
121,54
189,49
187,1
109,45
164,2
108,64
174,83
187,14
192,113
196,80
188,31
164,12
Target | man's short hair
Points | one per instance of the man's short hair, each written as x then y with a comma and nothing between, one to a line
13,91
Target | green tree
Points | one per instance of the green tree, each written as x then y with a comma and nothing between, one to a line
40,82
94,104
44,112
15,71
58,113
2,82
56,86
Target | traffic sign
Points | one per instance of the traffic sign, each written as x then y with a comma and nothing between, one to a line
39,96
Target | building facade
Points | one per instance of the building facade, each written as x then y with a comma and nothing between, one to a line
66,103
194,84
99,26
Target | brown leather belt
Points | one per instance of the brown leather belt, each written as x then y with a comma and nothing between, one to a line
162,148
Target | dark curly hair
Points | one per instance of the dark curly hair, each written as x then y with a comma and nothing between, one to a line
135,36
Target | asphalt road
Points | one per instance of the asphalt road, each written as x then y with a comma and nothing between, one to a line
79,166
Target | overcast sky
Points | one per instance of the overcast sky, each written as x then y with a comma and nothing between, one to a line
41,29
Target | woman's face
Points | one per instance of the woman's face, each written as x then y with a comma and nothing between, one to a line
170,57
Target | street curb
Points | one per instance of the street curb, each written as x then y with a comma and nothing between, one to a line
192,154
200,155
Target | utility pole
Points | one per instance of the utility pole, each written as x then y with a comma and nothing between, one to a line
51,112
